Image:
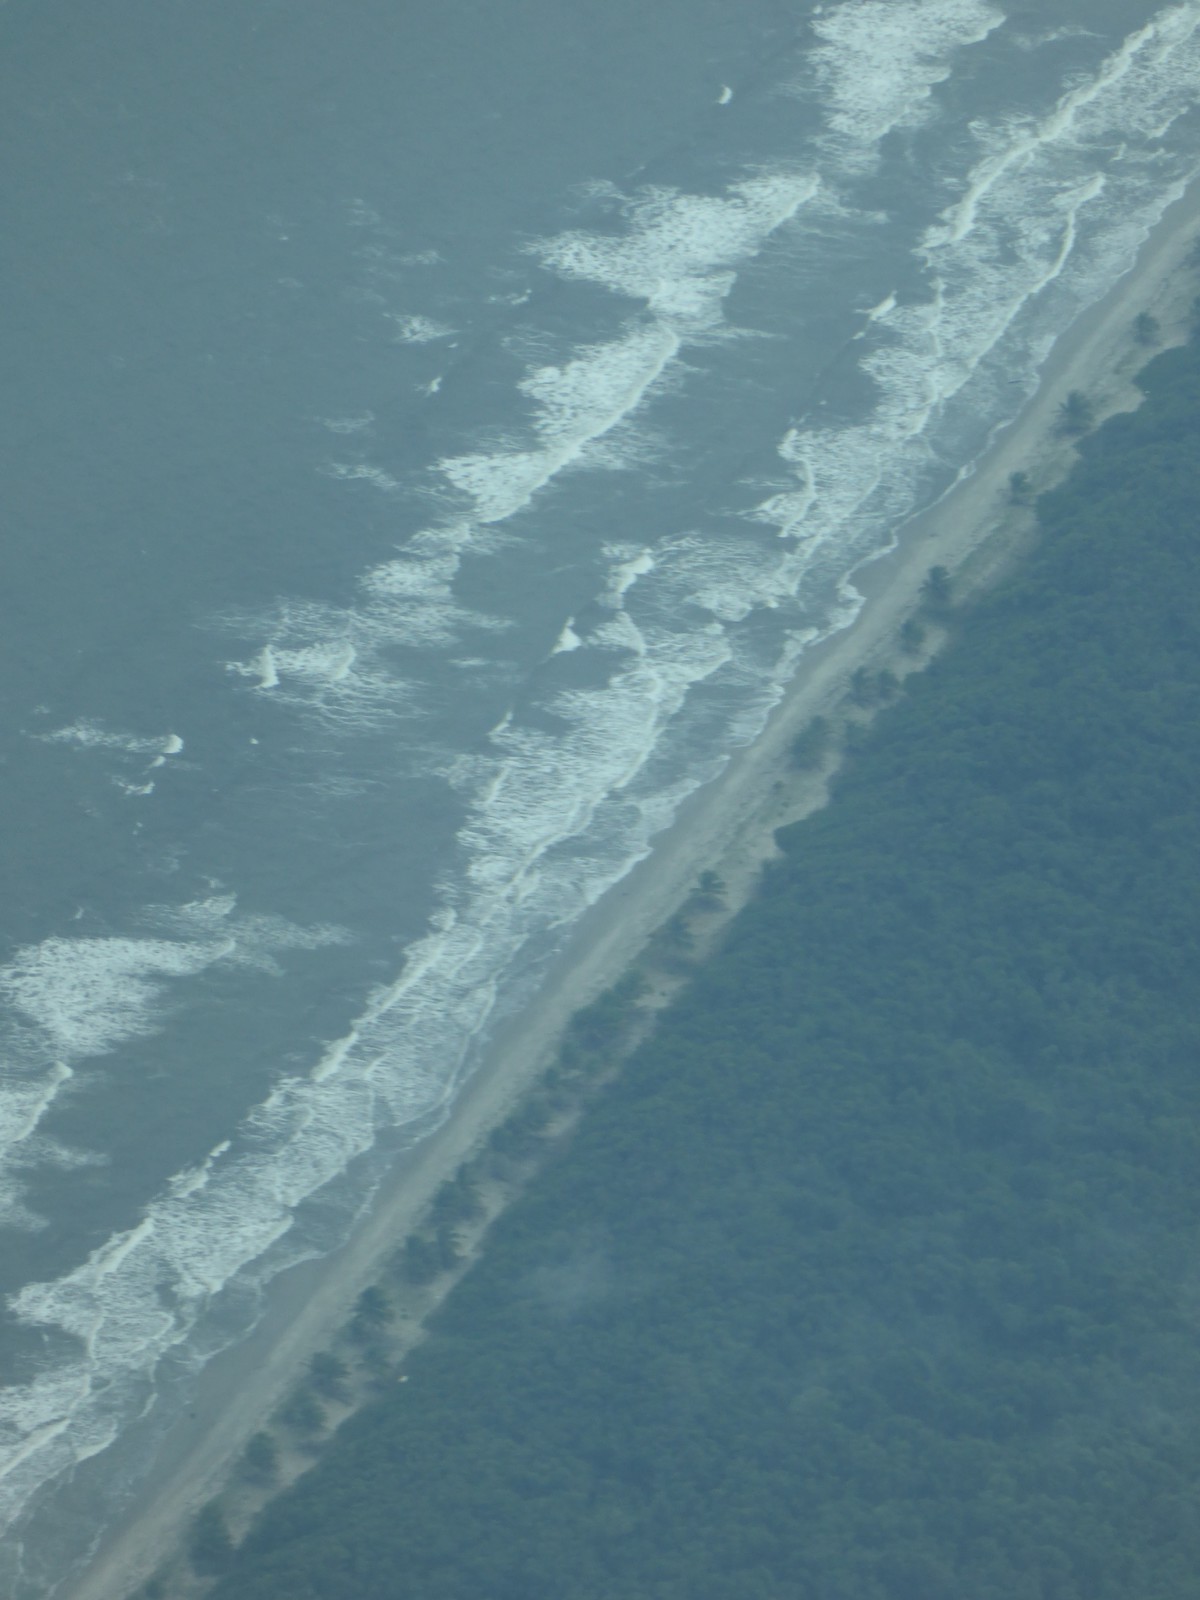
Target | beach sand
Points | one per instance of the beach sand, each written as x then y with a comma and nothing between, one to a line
974,532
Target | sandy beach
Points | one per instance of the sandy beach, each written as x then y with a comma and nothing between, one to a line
974,531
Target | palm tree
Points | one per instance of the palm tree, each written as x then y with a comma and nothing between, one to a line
912,637
1076,414
935,591
1020,489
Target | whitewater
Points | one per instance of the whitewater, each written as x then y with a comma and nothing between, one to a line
471,548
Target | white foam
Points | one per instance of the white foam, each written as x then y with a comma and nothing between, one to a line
192,1180
1031,42
336,661
628,568
361,472
345,425
679,250
82,998
879,61
262,667
418,330
85,996
171,746
1025,142
335,1058
323,671
244,938
89,734
577,404
25,1104
677,255
1011,243
567,640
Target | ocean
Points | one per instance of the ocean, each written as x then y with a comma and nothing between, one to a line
434,436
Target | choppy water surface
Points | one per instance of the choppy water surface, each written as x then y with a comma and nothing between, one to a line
429,456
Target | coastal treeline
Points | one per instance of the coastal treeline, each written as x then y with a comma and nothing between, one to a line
875,1275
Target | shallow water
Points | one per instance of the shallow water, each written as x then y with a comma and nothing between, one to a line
431,447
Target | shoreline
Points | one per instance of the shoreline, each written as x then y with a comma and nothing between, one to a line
974,531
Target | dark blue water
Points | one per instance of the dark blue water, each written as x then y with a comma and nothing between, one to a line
432,438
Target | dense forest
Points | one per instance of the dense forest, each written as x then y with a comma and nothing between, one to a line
876,1274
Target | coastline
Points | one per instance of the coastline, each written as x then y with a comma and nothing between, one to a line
973,531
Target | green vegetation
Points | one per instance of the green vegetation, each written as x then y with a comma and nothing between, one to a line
812,745
912,637
869,689
710,891
260,1460
937,591
423,1259
874,1275
303,1414
372,1314
329,1376
210,1549
1076,414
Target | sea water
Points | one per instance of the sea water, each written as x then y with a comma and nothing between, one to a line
434,436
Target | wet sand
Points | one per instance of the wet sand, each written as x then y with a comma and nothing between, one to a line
974,531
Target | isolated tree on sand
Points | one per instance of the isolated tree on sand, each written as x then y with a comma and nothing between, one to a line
811,745
303,1413
260,1459
1076,414
1020,489
936,590
372,1313
328,1374
912,637
710,890
862,688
